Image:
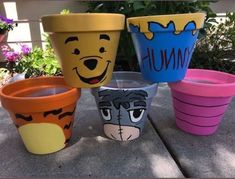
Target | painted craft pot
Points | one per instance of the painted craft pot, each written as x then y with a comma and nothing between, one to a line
42,109
123,105
164,44
86,45
201,99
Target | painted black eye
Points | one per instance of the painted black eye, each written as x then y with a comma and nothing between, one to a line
136,114
76,51
106,114
102,50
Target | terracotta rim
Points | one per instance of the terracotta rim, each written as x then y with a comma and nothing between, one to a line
37,104
220,84
83,22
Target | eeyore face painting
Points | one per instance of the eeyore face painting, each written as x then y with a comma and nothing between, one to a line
123,113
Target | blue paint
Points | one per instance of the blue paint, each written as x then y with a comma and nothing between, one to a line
165,57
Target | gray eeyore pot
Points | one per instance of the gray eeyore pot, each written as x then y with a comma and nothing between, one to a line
123,104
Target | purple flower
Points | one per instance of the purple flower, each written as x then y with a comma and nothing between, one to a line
5,49
12,56
25,49
4,19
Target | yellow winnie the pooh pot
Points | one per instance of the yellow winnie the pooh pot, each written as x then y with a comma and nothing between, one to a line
86,45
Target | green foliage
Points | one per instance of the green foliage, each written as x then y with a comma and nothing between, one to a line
216,50
6,24
65,11
3,73
132,8
5,27
39,62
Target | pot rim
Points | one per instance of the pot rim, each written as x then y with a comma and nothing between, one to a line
222,84
185,17
3,31
37,104
89,22
150,86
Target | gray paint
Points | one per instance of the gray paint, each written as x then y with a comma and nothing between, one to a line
117,100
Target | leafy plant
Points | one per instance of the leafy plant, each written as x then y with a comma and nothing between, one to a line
65,11
132,8
216,50
39,62
33,63
13,57
6,24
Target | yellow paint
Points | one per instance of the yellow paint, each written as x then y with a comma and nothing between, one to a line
42,138
83,22
89,45
180,20
87,27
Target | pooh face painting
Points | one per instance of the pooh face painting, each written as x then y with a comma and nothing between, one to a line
89,57
46,132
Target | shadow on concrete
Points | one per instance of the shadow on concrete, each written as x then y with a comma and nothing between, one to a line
199,156
90,153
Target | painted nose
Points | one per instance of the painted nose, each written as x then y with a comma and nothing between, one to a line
90,63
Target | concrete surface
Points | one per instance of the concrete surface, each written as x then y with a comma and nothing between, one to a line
199,156
90,153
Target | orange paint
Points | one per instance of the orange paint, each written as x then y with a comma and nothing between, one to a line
41,101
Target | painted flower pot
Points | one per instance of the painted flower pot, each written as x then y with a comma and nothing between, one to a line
164,44
86,45
42,109
201,99
123,105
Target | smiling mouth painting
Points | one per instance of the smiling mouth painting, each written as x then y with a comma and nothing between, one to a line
93,80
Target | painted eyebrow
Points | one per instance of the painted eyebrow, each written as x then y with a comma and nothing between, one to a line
53,112
105,103
66,114
140,103
104,36
70,39
26,118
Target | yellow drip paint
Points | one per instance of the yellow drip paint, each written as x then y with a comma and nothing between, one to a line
180,21
42,138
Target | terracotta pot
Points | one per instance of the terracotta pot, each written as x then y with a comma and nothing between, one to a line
164,44
2,37
201,99
86,45
42,109
124,104
3,33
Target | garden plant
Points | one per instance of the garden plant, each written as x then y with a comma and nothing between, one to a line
6,24
221,36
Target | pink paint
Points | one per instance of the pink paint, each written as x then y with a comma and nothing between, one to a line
201,99
206,83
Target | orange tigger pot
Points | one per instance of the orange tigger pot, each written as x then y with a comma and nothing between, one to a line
42,109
